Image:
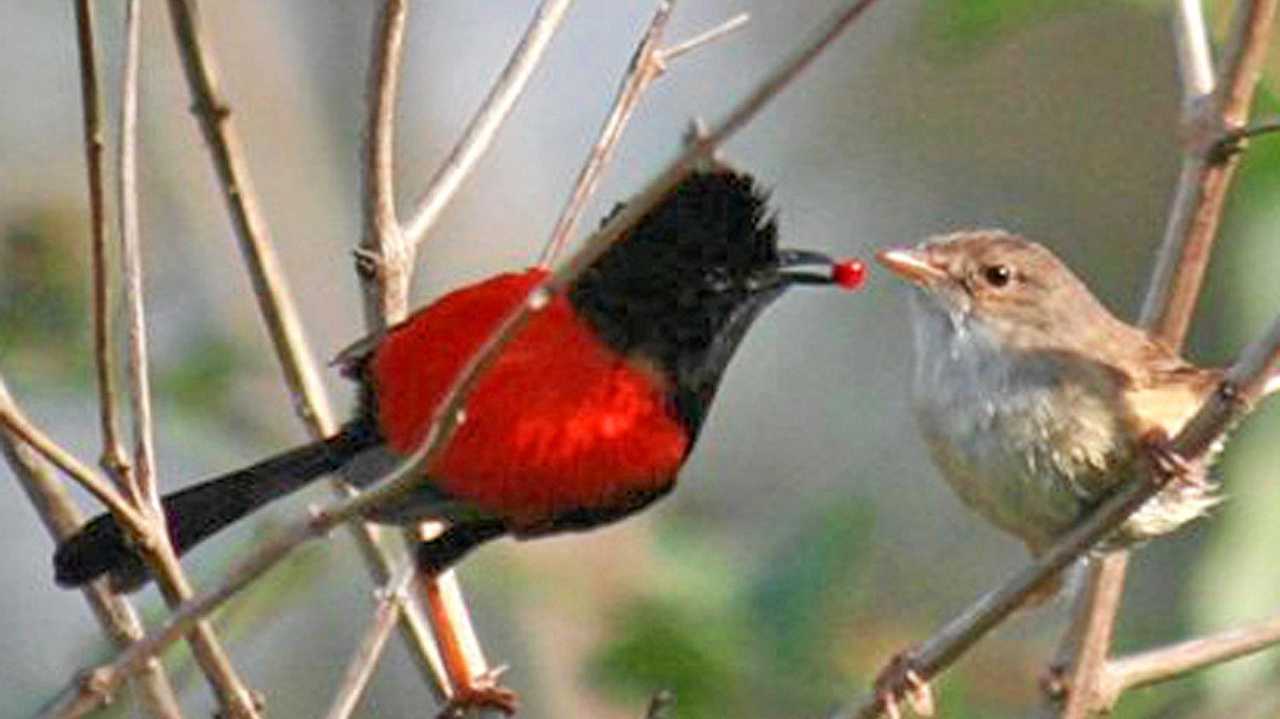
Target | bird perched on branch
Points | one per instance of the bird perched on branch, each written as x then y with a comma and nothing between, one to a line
1035,401
585,417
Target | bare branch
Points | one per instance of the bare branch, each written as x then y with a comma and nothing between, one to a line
1206,175
1175,660
1175,284
389,259
646,66
733,24
484,126
17,423
391,603
274,299
113,456
232,694
114,614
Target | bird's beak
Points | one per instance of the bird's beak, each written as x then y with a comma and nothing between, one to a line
911,265
806,258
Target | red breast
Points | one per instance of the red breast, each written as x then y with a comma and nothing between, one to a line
559,421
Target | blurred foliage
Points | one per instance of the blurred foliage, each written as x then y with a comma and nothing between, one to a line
761,639
201,379
43,291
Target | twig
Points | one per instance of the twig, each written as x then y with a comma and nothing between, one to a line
387,253
391,602
274,299
385,274
646,66
1209,113
1243,384
232,694
113,456
1164,663
648,63
143,478
733,24
114,614
13,420
1202,187
480,132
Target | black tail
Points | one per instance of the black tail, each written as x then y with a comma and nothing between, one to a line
194,513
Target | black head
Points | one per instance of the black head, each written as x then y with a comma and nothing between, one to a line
682,288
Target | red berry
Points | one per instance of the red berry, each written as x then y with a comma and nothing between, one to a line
849,274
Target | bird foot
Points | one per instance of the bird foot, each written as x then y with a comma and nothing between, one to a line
899,680
482,692
1166,463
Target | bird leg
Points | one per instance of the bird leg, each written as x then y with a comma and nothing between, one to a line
900,679
467,690
1165,462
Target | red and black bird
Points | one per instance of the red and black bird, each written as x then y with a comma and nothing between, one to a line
585,416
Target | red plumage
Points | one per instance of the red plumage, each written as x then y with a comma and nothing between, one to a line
559,421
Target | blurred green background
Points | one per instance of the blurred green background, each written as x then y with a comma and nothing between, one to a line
810,537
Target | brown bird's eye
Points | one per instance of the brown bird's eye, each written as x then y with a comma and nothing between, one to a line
997,275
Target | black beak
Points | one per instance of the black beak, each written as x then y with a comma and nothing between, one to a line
805,258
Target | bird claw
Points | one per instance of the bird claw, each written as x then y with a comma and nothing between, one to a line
900,680
1166,463
482,692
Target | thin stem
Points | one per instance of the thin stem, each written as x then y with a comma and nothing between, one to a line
12,419
645,67
113,457
1206,176
383,244
275,302
114,613
733,24
1175,660
143,485
479,134
391,603
1176,281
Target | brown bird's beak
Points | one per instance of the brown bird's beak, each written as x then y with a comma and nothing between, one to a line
911,265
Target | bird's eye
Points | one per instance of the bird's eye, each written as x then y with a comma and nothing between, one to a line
997,275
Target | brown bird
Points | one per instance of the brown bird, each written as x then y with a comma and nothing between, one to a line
1034,400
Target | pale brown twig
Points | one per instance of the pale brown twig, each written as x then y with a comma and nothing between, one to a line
648,63
1202,187
233,695
114,614
275,302
385,250
386,262
480,132
645,67
1243,384
391,489
1169,662
113,456
391,602
1210,110
17,423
